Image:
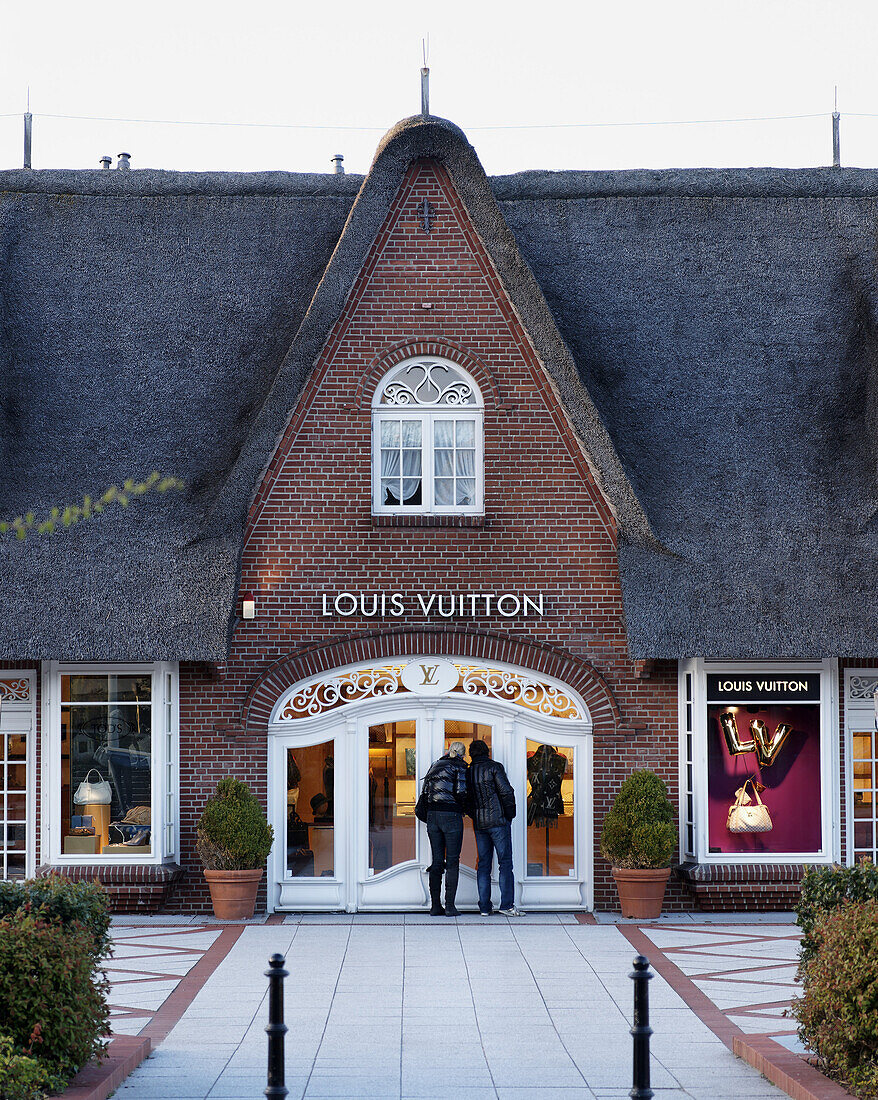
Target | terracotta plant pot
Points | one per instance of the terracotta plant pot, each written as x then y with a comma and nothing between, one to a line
641,892
233,893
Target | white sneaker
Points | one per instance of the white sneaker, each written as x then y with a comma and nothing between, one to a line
511,912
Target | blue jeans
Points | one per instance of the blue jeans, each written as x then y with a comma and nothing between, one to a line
488,841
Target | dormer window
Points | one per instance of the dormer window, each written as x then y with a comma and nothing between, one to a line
427,440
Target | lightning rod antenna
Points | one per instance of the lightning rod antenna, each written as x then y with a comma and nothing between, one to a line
425,77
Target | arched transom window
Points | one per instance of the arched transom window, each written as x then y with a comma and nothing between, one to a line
517,687
427,440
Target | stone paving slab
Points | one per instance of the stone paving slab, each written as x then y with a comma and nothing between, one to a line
409,1009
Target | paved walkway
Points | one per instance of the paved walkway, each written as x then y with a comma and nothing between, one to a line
414,1008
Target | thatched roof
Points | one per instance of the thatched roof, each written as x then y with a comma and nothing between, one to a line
711,335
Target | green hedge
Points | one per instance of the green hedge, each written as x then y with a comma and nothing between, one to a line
63,902
825,889
838,1012
24,1077
52,993
54,935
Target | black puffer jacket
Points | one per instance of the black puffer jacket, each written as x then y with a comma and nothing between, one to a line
445,784
490,797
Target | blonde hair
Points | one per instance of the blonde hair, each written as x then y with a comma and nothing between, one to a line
456,748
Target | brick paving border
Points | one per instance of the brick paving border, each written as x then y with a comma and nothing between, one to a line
126,1052
782,1067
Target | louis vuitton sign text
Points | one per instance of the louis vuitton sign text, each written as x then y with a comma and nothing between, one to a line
447,605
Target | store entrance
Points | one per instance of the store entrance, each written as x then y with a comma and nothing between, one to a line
344,787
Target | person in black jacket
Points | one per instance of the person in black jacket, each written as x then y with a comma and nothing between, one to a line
444,791
491,803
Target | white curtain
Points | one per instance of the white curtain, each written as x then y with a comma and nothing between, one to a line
466,476
406,461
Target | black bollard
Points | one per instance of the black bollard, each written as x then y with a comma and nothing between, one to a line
641,1030
276,1028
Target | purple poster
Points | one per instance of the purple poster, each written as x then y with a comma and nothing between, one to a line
777,745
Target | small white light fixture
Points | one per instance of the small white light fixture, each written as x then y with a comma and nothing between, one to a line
248,605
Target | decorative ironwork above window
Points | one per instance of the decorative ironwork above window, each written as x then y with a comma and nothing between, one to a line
538,696
427,383
17,690
863,687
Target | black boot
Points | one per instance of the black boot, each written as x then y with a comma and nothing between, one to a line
452,872
436,909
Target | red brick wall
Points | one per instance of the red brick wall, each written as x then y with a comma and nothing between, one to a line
546,526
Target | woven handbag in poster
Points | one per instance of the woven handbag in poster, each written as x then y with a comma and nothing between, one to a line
98,794
747,818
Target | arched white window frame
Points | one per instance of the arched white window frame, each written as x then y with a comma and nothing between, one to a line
383,698
423,396
488,684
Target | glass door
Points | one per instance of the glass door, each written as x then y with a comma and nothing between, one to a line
550,833
394,845
309,820
391,749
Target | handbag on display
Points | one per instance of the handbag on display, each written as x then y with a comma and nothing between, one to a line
98,794
747,818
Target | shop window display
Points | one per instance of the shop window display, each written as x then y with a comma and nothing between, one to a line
550,810
311,811
106,765
763,760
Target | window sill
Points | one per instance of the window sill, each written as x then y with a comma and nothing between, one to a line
429,521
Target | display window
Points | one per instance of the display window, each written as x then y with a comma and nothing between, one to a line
311,811
114,761
759,761
550,810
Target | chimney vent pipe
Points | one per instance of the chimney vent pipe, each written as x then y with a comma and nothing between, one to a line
124,164
338,164
106,162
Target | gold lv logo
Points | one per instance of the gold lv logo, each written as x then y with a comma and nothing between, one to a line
429,672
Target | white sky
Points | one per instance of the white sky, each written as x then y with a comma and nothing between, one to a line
346,71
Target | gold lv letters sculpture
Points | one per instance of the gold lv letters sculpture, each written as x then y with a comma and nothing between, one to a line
763,743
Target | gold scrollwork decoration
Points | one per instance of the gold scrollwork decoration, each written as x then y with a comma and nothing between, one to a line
512,687
360,684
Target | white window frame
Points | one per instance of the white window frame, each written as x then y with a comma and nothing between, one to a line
25,708
857,712
829,762
165,814
427,415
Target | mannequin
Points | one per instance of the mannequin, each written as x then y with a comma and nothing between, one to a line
545,804
545,770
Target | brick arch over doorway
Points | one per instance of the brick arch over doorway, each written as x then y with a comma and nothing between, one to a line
573,671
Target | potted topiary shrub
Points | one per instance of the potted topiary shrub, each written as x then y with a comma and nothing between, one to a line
233,840
638,839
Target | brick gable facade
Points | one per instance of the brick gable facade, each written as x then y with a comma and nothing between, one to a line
546,528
